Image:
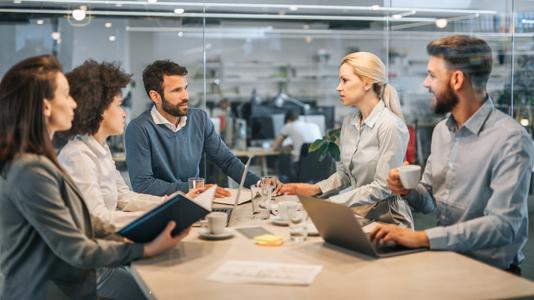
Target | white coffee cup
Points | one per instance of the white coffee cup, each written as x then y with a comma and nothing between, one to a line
410,175
286,209
216,222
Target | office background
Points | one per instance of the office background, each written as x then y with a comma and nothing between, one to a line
280,54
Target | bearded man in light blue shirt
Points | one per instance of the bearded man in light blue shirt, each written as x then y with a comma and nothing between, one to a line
478,173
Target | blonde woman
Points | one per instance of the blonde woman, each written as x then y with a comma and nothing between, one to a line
373,141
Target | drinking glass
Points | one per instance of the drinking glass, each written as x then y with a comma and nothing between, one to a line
195,183
298,226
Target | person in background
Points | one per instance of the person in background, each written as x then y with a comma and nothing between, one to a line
373,140
46,231
478,173
96,88
164,145
299,131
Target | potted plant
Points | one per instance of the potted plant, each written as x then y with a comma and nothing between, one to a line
328,145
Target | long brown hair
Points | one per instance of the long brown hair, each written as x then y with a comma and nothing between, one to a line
23,127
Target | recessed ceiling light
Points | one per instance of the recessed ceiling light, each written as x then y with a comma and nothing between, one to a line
17,1
55,35
180,33
40,22
396,16
179,11
151,1
79,14
308,39
293,8
375,7
441,23
112,38
108,25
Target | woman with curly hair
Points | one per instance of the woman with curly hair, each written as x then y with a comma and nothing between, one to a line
96,88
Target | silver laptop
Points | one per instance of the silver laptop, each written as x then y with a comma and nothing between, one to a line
241,184
338,226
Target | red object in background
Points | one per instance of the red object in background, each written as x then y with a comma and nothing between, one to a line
410,152
222,123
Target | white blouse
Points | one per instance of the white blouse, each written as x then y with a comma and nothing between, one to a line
105,192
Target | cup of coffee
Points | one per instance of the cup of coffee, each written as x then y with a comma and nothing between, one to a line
286,209
216,222
410,175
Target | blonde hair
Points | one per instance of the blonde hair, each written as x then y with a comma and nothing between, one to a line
368,66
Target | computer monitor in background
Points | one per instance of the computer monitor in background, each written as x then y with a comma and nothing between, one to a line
319,120
327,111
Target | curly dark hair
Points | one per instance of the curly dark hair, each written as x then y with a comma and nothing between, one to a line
93,86
153,74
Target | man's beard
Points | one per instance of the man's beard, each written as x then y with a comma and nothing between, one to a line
445,102
174,110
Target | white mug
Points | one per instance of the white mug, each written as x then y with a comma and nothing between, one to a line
216,222
409,176
286,209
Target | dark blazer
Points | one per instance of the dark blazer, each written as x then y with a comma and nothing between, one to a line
49,245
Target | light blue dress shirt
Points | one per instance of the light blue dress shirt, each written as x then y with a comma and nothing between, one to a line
477,178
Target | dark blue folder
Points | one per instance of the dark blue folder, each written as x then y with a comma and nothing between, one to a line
178,209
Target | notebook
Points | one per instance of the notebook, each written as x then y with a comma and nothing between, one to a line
178,208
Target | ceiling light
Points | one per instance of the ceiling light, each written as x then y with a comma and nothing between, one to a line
396,16
293,8
17,1
375,7
180,33
40,22
441,23
526,21
108,25
112,38
56,35
151,1
79,14
308,39
305,26
179,11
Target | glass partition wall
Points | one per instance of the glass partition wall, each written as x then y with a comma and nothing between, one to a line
281,55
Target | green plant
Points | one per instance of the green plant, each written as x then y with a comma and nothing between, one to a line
328,145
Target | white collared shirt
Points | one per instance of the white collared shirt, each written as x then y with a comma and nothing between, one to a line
105,192
159,119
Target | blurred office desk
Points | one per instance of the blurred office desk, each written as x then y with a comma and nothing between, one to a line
260,153
182,272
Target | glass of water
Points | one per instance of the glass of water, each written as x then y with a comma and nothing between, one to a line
298,226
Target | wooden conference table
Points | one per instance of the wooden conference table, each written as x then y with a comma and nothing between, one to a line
181,273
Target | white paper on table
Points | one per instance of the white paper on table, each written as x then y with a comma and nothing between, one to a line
260,272
243,197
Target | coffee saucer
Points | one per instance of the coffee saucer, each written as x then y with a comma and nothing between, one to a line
277,221
205,234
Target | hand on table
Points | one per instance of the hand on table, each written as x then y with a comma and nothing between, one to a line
304,189
219,191
400,235
165,241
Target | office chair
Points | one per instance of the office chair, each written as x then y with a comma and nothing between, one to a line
310,169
